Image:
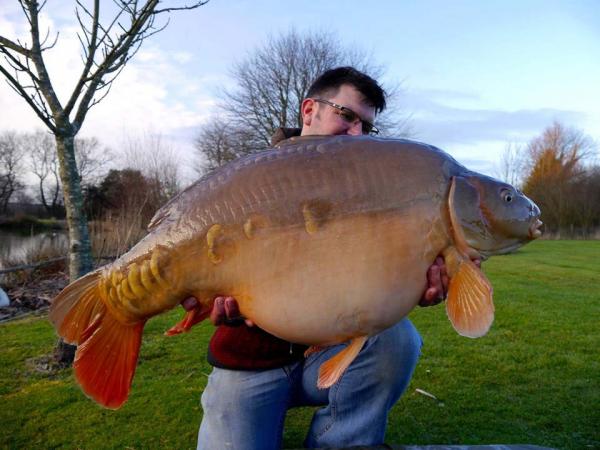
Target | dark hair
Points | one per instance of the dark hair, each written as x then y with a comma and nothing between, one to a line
329,82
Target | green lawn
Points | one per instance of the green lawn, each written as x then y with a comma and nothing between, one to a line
535,378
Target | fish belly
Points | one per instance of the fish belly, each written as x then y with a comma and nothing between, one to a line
353,276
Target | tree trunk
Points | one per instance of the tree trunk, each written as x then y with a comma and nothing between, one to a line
80,249
64,353
42,196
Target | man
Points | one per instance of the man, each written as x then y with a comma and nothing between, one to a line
258,377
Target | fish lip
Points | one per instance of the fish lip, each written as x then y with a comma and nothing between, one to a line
535,229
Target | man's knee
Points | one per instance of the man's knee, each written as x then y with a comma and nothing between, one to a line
244,408
394,353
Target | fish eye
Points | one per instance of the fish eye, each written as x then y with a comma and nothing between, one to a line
507,195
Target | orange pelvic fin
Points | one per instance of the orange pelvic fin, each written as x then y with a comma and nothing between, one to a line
470,306
313,349
191,318
331,370
105,361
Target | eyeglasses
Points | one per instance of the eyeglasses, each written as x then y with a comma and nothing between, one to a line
350,116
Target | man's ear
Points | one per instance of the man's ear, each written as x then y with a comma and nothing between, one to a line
307,109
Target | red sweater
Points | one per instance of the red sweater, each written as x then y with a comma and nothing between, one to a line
251,348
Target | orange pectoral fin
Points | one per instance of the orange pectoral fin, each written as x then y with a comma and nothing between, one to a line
470,306
332,369
105,361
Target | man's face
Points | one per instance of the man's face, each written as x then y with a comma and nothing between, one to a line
323,119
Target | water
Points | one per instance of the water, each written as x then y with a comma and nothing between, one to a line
18,249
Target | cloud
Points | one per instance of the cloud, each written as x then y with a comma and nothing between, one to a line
441,124
153,92
183,57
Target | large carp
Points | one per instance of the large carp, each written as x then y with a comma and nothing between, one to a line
321,240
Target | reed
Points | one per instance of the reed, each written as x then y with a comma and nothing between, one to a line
117,232
112,236
48,247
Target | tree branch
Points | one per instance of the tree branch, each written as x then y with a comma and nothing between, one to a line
45,85
182,8
14,83
91,53
14,47
17,65
117,56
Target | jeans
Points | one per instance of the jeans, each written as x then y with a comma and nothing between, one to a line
246,409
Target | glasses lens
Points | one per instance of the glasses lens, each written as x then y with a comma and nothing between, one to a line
348,115
351,117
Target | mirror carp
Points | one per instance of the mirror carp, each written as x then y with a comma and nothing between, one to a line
321,240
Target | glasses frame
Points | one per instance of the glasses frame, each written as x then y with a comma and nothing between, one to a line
367,127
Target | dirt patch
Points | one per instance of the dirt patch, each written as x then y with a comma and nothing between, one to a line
46,365
33,296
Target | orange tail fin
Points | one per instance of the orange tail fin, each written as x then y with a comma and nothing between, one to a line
105,361
74,309
107,349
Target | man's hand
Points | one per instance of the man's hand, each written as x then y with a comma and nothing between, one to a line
225,311
437,282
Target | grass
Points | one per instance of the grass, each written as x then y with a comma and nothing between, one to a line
535,378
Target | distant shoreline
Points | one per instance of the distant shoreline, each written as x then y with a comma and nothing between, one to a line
30,225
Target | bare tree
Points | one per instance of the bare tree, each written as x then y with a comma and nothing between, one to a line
270,86
40,146
106,47
157,161
586,199
218,143
92,159
43,163
510,167
11,168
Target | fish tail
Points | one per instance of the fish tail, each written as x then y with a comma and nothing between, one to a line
74,309
108,348
105,361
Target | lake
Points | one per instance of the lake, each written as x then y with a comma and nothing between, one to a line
16,248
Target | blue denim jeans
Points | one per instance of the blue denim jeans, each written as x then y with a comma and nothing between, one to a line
246,409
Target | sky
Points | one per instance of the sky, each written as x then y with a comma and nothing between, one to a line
474,76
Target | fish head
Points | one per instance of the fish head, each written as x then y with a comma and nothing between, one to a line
490,217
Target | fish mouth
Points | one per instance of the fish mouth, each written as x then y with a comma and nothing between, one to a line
535,229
